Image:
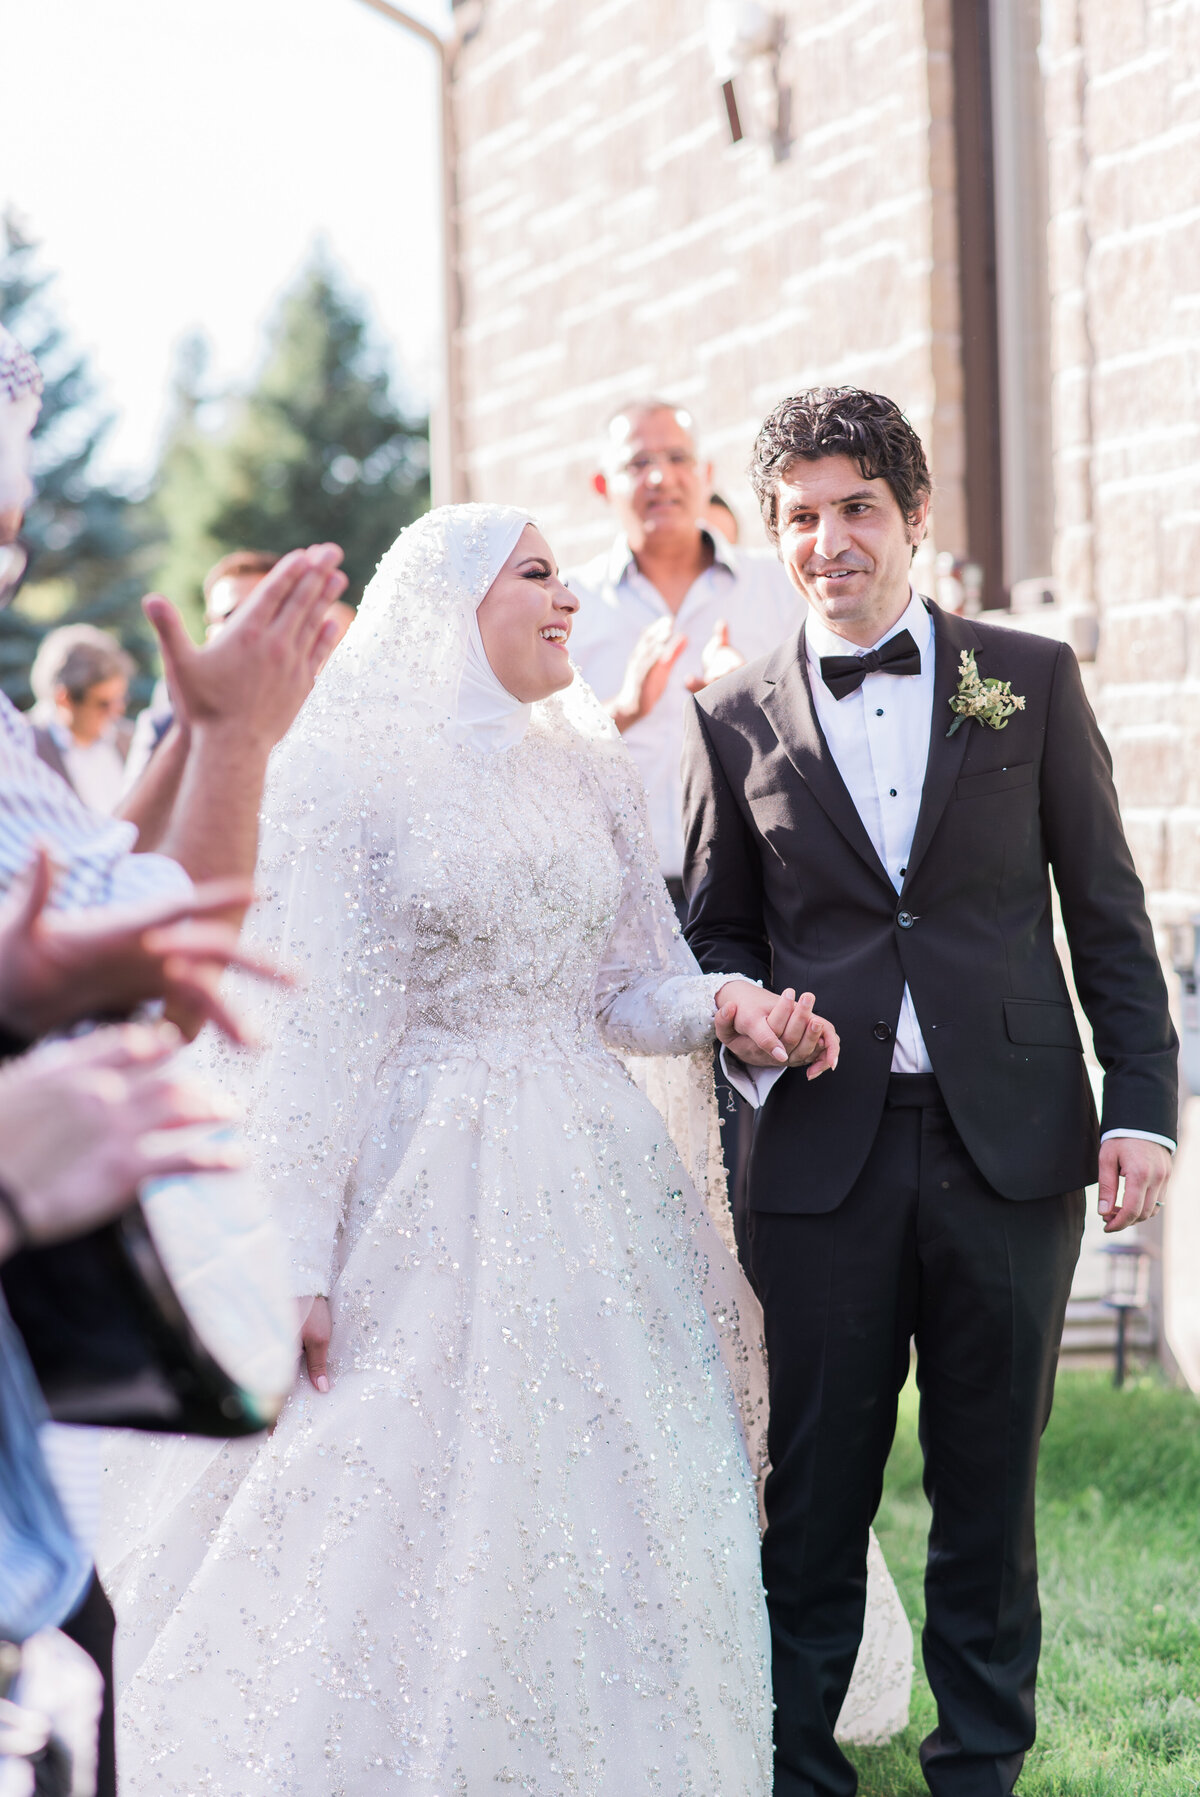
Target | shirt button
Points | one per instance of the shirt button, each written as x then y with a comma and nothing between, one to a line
891,792
879,713
905,919
881,1032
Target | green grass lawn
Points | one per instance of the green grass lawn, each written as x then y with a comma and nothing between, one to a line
1119,1549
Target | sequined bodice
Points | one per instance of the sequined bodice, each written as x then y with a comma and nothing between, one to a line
516,907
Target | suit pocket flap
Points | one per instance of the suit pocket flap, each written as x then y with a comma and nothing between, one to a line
975,786
1041,1023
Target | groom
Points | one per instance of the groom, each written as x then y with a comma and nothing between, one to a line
857,825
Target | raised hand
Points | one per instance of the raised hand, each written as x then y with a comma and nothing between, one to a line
716,658
83,1123
256,673
57,968
654,655
765,1029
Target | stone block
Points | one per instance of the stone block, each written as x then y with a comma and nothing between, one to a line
1146,834
1148,766
1183,853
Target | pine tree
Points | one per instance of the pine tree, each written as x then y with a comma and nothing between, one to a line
87,539
316,451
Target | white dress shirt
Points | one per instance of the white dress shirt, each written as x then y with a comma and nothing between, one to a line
748,588
96,770
878,737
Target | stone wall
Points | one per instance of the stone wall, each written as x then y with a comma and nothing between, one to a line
1123,120
613,239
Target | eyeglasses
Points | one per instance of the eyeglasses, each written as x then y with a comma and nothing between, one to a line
14,559
667,458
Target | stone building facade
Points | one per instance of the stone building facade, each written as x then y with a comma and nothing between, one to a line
989,209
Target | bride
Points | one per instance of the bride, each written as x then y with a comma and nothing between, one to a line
509,1534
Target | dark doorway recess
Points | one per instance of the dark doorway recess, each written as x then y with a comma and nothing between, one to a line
977,292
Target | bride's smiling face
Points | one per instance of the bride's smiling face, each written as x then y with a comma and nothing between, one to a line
525,621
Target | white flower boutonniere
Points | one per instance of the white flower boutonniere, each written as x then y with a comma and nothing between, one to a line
991,702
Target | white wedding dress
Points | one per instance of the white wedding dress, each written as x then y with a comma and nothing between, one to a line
517,1543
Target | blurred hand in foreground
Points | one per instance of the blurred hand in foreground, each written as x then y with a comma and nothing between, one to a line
57,968
83,1123
256,672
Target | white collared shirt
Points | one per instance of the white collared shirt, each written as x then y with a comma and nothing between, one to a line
748,588
879,739
96,770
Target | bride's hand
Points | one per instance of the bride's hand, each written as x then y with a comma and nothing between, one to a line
316,1326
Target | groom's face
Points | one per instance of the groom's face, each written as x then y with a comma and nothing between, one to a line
846,545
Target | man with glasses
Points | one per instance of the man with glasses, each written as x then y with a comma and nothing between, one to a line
669,608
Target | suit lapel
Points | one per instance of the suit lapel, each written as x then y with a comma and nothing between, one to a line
951,635
787,703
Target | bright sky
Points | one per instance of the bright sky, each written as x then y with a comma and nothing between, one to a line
177,159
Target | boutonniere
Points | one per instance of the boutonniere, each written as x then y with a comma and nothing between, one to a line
991,702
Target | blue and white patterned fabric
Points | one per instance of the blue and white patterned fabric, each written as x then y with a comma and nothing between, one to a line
43,1571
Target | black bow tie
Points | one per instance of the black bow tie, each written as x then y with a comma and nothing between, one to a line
844,674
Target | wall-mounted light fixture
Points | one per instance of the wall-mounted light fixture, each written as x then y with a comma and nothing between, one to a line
742,33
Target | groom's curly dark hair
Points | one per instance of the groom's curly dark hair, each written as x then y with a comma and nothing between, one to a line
868,427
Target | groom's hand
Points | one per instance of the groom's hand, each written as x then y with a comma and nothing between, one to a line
766,1030
1145,1168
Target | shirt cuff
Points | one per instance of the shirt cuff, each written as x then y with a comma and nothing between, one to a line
1139,1135
753,1083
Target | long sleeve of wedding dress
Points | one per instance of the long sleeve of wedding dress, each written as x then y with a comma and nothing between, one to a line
651,998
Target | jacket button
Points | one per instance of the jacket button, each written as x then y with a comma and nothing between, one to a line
882,1032
906,920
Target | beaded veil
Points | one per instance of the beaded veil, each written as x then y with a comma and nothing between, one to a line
347,853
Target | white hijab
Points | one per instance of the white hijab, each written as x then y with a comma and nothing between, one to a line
487,717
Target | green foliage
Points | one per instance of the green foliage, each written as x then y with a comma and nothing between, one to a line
87,539
316,451
1119,1546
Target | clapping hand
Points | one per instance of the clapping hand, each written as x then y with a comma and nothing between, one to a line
57,968
654,655
716,658
768,1030
257,672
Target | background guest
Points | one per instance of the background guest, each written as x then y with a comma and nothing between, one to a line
80,679
669,607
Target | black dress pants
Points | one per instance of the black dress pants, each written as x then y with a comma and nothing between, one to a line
93,1627
921,1247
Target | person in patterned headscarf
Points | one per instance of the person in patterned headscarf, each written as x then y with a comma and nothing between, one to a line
20,402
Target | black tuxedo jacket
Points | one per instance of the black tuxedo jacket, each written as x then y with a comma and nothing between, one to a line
785,887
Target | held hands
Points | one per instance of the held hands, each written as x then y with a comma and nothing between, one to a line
1145,1167
256,674
56,967
764,1030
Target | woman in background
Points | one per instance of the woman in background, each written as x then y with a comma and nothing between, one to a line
80,679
